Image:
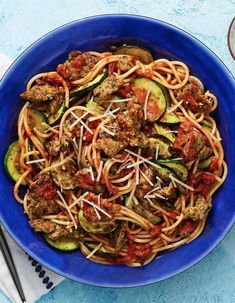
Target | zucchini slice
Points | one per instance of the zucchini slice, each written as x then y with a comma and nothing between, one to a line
179,168
169,119
101,251
140,210
118,237
38,167
168,203
207,127
156,102
205,163
164,172
140,52
56,116
96,227
164,146
82,90
36,119
63,244
165,131
12,162
93,106
128,203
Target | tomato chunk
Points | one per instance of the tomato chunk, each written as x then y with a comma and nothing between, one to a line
202,183
186,228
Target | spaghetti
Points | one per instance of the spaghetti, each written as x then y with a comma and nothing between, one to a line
119,153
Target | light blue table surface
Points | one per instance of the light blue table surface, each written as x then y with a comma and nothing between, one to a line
22,22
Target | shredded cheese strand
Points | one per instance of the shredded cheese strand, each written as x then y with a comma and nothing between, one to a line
105,129
104,115
94,251
137,175
99,171
67,208
35,161
100,209
77,119
77,200
145,160
97,213
181,183
173,108
146,178
84,124
146,104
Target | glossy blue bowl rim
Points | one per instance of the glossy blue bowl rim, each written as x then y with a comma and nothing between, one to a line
208,249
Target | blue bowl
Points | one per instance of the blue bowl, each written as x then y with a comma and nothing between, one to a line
99,33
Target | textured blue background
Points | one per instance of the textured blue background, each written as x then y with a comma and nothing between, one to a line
22,22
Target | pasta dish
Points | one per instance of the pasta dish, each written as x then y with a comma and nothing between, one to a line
117,155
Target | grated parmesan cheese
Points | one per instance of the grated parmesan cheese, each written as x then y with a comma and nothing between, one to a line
131,195
173,108
105,115
67,208
151,191
99,200
77,119
148,199
35,161
97,213
137,175
94,205
77,200
146,178
181,183
146,103
105,129
94,251
118,100
91,173
145,160
99,171
157,151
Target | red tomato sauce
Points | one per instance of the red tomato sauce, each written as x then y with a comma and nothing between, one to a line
202,183
186,228
156,230
46,190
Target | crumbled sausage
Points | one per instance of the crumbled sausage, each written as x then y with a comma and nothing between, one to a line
109,86
77,66
133,138
200,210
136,110
43,96
109,146
124,64
53,146
143,187
40,92
118,236
83,179
167,191
40,197
192,94
191,142
129,132
54,231
125,120
63,175
70,134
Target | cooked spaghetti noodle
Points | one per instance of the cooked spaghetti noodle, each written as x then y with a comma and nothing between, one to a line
119,153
